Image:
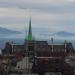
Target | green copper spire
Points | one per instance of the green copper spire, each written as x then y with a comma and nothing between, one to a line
30,31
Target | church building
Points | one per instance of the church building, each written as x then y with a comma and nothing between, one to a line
42,48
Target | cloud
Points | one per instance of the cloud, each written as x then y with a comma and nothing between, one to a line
54,15
14,18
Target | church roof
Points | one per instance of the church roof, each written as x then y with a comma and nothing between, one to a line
57,46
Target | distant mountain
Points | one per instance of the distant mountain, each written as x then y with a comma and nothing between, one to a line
64,34
8,31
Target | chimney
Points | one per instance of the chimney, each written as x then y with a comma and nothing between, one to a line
12,46
65,45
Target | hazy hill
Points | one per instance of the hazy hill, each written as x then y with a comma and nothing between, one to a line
7,31
64,34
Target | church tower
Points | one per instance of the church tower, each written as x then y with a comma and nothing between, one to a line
29,43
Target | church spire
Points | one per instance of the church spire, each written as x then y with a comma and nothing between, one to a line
30,31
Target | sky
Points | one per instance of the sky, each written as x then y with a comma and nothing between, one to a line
46,15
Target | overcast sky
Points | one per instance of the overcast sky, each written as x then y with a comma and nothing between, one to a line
52,15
